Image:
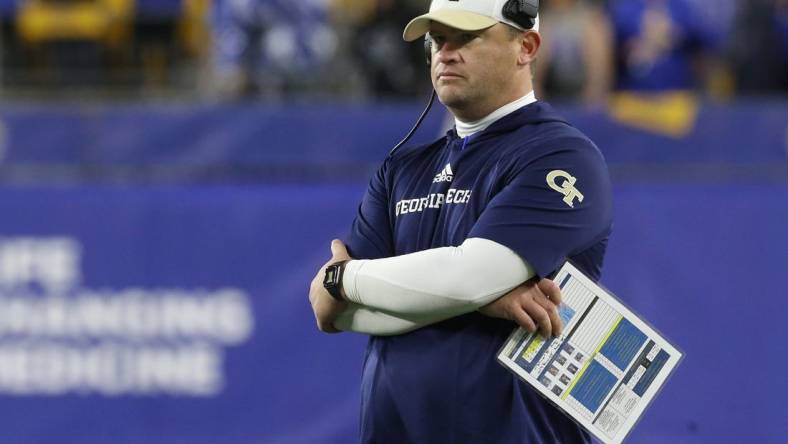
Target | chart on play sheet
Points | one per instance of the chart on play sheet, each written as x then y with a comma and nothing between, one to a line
605,367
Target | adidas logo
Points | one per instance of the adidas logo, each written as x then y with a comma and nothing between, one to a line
446,175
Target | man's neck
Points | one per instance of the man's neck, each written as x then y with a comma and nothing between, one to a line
465,129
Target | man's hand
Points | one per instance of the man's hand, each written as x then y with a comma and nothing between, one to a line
325,307
532,305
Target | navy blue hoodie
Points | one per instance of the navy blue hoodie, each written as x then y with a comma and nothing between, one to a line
531,182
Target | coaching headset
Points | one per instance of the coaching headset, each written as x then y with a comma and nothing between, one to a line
521,12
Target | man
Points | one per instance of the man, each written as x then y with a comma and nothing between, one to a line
449,231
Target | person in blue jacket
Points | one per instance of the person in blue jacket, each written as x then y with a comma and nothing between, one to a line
453,240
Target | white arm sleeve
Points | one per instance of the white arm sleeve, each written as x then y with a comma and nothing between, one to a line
365,320
406,292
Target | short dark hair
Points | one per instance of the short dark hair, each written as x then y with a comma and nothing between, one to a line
513,32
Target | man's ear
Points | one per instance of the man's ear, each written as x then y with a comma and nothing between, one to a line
529,47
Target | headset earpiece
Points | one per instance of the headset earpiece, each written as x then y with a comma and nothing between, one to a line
522,12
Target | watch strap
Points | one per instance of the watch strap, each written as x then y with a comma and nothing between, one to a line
332,281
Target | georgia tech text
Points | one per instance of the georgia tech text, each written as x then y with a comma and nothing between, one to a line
434,200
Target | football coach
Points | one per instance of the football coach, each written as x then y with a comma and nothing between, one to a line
453,240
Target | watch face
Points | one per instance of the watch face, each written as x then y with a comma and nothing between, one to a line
332,280
331,275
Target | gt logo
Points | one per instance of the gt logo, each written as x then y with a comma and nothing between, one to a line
567,187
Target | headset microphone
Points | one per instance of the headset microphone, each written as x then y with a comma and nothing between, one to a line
428,49
428,54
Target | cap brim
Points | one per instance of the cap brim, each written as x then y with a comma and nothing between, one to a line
455,18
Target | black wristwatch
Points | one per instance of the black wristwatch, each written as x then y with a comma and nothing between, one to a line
332,281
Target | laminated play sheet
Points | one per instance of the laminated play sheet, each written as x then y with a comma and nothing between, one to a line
605,367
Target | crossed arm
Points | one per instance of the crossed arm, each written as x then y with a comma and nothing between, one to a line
399,294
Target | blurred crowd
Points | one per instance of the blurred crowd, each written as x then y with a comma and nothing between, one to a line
353,48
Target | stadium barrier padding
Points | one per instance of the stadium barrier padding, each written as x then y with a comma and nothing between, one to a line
173,309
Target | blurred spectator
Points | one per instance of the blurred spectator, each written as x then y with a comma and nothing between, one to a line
388,66
267,46
660,44
4,31
353,48
100,47
68,41
759,46
576,58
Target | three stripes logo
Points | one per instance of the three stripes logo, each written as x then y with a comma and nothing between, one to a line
446,175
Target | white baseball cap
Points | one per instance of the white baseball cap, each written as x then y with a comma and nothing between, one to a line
467,15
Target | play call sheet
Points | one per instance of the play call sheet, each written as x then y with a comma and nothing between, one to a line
605,367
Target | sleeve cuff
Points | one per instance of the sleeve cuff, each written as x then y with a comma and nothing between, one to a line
350,280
